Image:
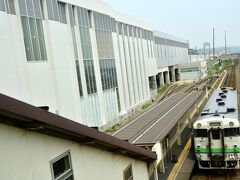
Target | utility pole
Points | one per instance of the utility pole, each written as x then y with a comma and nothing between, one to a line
213,46
225,42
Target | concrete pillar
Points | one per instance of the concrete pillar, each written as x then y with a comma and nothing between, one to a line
173,76
189,122
176,72
166,77
179,142
158,80
155,173
173,73
161,163
161,79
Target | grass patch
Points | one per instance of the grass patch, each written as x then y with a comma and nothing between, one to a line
146,105
113,128
227,63
161,90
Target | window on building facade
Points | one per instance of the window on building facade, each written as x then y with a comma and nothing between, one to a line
62,12
108,73
103,29
53,10
72,10
84,22
79,78
61,167
90,76
127,173
31,18
7,6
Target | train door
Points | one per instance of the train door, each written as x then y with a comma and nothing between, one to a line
216,147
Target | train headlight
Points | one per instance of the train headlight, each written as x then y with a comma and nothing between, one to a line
231,124
199,125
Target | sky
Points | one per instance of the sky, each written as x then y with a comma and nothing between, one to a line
189,19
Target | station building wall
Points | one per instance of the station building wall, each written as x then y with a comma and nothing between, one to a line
81,58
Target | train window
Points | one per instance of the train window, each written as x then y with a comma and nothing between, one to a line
200,133
231,132
215,134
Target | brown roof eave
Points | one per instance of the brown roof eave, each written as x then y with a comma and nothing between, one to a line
31,114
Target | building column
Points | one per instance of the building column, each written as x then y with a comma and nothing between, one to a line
161,79
155,173
179,142
173,75
167,78
158,80
189,122
161,163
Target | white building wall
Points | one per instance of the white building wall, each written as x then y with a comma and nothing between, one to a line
35,151
124,72
14,80
138,70
145,67
129,70
133,65
61,60
142,68
170,55
119,68
54,82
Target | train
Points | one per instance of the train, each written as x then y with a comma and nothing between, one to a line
216,133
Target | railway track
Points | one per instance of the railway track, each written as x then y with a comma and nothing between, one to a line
231,77
189,87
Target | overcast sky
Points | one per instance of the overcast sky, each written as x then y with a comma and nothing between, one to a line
189,19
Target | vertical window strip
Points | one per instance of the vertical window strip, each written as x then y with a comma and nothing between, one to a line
11,7
70,9
35,39
74,43
33,34
55,10
50,9
7,6
62,12
41,40
27,38
87,57
37,9
79,78
103,31
30,8
72,21
2,5
90,72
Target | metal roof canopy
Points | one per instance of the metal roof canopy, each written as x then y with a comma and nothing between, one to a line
17,113
158,125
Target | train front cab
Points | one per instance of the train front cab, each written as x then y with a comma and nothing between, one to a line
217,148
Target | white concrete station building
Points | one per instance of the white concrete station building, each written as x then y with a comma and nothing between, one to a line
82,59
